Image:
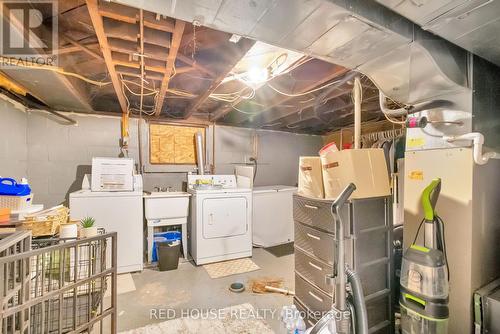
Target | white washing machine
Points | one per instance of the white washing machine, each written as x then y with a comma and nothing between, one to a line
220,227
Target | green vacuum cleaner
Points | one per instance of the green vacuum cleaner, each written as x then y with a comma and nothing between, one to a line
424,274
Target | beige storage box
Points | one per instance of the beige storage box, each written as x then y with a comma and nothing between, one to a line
310,177
366,168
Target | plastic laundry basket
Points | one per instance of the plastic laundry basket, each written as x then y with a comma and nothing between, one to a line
168,255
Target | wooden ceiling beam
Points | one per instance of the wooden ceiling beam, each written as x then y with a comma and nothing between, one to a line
83,47
195,64
73,48
97,22
131,15
172,55
120,59
335,72
126,60
294,118
243,46
154,21
274,115
130,32
136,73
150,51
119,12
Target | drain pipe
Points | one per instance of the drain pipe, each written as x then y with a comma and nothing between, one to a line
477,145
199,153
357,91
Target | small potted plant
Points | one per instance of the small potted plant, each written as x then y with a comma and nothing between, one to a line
88,227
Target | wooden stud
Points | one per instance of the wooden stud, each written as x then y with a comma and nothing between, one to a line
97,22
176,42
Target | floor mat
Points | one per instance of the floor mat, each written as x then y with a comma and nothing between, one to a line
281,250
228,268
236,319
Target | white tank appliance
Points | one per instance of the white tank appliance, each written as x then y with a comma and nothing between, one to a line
221,219
115,211
272,215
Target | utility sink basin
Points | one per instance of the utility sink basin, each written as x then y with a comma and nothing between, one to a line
166,194
166,205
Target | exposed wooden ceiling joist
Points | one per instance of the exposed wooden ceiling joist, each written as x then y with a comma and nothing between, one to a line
276,114
243,47
130,32
339,106
73,48
83,47
195,64
150,51
97,22
334,72
174,48
131,15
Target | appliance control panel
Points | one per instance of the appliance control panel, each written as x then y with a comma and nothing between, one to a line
215,181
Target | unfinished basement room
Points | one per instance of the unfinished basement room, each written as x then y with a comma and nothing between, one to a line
250,166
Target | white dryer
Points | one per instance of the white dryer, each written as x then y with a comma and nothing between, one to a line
221,219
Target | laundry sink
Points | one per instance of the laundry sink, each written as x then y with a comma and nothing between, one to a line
166,194
166,205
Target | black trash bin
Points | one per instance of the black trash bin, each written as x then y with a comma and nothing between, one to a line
168,255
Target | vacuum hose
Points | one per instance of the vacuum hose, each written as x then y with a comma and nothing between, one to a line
359,302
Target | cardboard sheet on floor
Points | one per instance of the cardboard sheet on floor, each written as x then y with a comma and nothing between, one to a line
228,268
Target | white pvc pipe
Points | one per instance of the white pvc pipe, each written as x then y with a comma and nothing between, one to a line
477,144
386,110
199,153
357,113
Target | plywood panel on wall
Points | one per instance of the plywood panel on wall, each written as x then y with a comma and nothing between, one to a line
173,144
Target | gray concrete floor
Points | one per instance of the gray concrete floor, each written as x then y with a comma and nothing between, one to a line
161,295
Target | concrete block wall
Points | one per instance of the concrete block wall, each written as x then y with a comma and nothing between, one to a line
59,155
277,153
13,136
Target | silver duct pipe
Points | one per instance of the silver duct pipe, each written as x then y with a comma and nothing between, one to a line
199,153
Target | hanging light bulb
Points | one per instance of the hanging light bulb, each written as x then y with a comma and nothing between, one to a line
257,75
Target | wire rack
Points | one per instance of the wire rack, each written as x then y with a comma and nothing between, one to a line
58,285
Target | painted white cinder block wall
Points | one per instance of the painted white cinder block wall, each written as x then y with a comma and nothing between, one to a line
13,136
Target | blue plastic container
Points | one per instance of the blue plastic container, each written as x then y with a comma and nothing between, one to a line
9,187
163,237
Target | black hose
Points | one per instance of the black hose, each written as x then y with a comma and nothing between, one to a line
358,301
254,160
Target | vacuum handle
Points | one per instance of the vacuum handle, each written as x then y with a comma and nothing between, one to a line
343,197
429,199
